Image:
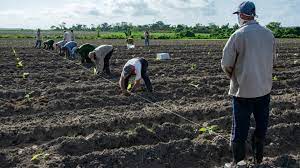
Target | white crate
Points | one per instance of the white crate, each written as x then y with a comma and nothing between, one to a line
130,46
163,56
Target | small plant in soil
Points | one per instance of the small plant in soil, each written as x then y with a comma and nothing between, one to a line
25,75
38,156
19,64
275,78
208,129
194,85
95,71
28,96
193,67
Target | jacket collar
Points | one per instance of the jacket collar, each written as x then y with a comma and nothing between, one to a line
250,23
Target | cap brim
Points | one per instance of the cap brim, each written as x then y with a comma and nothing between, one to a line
237,12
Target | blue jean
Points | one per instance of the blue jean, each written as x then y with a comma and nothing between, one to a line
242,110
147,42
38,43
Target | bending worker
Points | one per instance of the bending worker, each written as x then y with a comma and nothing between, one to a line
68,49
48,45
101,56
137,67
84,51
248,61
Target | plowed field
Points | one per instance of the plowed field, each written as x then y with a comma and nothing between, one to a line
62,115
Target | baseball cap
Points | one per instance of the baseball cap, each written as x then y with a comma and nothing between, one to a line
247,7
127,71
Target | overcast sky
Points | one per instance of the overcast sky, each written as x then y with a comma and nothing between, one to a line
44,13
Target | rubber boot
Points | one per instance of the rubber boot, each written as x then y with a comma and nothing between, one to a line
239,151
107,71
257,148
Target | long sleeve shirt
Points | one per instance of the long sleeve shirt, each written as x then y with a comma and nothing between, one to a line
248,59
101,52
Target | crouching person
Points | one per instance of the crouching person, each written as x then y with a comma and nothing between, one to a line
84,51
137,67
69,49
48,45
59,45
101,56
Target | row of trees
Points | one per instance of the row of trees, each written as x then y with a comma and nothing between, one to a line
214,30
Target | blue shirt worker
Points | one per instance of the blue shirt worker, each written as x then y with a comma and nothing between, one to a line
69,49
248,60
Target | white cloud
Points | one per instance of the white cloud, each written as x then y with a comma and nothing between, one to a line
44,14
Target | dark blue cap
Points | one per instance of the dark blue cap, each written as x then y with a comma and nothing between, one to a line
247,8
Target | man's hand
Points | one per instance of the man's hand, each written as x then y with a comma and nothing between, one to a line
126,93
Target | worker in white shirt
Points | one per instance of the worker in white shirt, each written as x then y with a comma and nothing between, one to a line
137,67
101,56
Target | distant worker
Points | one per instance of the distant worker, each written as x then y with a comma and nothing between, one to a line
38,37
69,49
84,51
67,37
48,45
101,56
248,61
147,38
72,35
137,67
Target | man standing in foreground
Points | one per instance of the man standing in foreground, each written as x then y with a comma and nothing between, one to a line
248,61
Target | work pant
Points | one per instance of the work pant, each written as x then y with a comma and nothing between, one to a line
144,75
38,43
242,110
106,62
147,42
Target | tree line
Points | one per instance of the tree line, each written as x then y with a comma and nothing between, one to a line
215,31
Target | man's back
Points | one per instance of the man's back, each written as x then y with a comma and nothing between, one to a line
254,50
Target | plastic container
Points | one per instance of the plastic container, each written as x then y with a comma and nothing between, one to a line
163,56
130,46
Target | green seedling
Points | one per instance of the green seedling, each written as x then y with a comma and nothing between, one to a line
209,129
129,86
275,78
14,51
194,85
95,71
37,157
28,96
25,75
19,64
193,67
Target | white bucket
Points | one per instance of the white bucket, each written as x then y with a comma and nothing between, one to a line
130,46
163,56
